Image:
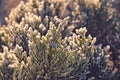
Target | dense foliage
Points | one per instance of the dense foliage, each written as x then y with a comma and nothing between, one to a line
47,40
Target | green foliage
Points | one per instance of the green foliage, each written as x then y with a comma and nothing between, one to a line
53,57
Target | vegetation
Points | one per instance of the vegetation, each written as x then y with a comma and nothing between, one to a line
47,40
